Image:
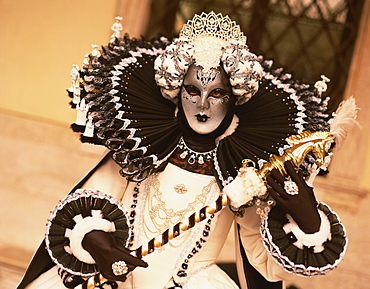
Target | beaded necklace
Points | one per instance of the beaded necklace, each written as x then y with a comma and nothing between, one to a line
194,156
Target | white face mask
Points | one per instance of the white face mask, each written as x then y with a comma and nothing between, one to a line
205,98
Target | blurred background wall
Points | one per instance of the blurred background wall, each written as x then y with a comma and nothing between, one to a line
41,159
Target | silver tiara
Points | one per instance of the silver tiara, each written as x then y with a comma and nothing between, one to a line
214,25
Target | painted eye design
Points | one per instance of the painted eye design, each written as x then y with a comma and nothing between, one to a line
192,90
218,93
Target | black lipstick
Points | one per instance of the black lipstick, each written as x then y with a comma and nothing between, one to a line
201,117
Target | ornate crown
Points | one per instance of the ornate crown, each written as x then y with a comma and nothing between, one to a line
212,24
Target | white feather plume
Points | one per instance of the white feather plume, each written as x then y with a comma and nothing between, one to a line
344,120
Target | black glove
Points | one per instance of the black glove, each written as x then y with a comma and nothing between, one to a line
106,250
70,280
302,206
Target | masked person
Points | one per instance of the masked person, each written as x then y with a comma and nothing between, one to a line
193,126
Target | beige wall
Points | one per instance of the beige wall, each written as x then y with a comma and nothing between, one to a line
41,39
41,159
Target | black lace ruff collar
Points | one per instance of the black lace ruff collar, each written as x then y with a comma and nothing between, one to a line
131,117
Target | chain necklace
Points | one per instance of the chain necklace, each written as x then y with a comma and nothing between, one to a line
162,217
193,155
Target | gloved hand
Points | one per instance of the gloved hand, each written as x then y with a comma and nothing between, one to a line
302,205
106,250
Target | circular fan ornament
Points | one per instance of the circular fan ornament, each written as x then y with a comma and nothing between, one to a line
69,221
300,259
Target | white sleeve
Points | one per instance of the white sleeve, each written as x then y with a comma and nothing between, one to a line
258,256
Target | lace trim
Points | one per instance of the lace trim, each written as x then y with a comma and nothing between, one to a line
301,269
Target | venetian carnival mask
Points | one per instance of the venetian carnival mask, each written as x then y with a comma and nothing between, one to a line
205,98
